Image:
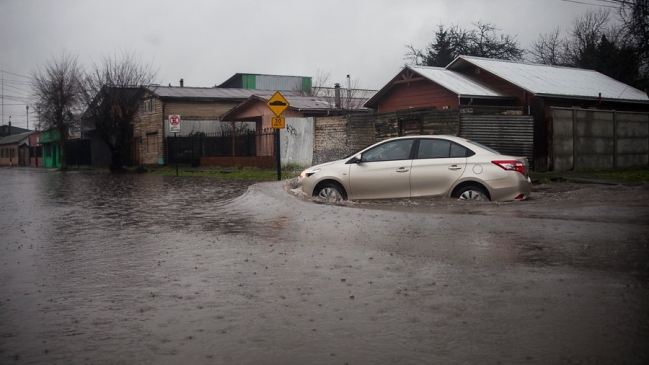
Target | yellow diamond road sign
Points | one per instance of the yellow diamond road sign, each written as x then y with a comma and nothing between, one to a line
277,104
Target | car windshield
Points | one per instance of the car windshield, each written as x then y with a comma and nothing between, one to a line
484,147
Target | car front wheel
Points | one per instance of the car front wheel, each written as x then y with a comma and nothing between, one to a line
472,193
330,192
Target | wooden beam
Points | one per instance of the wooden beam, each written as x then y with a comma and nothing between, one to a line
409,80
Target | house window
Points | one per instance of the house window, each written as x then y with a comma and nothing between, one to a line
2,153
152,142
147,106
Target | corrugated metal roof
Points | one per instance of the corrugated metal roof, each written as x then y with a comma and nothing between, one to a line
308,102
317,103
456,82
301,103
208,92
15,138
267,81
546,80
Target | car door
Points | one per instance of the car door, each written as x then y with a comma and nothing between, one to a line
437,165
383,171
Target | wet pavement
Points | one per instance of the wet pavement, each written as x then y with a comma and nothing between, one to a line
149,269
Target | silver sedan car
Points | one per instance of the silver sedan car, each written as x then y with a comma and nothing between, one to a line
419,166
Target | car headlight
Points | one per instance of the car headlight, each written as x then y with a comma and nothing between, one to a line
308,172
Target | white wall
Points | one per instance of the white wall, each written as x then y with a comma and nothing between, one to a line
296,141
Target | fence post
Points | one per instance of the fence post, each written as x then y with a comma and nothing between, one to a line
615,139
574,140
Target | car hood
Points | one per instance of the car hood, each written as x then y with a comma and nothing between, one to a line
326,164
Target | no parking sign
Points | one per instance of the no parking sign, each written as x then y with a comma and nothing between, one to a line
174,124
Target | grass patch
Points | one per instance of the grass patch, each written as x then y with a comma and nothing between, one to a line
237,172
632,175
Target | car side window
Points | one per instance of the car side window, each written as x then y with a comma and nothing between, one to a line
460,151
434,148
437,148
390,151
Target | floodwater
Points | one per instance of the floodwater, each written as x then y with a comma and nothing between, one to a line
147,269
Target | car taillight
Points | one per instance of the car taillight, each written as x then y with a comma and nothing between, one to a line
511,165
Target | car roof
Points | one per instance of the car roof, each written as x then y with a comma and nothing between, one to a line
428,136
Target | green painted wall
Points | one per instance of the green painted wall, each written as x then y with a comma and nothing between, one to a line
51,149
249,82
306,84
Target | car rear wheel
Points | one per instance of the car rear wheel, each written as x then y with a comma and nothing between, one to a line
472,193
330,192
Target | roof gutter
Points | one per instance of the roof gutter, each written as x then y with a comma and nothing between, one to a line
593,98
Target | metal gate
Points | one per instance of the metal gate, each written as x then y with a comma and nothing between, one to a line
509,135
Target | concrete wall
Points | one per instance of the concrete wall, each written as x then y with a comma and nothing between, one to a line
587,139
296,141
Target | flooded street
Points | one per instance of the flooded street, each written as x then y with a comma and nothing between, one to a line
149,269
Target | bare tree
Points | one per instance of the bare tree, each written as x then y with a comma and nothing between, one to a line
113,92
317,84
550,49
351,97
58,98
321,79
583,37
585,33
593,42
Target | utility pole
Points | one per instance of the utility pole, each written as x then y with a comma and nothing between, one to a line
2,96
27,113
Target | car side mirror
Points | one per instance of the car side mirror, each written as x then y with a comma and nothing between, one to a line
358,158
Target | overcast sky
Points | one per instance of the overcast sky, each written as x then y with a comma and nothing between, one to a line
205,42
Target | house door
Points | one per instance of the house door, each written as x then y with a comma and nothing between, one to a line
137,143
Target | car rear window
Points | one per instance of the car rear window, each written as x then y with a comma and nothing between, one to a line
485,147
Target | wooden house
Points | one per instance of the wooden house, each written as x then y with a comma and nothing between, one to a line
481,81
14,149
536,89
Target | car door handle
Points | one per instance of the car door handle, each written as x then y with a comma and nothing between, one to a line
454,167
402,169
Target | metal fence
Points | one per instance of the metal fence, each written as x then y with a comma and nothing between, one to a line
190,148
78,152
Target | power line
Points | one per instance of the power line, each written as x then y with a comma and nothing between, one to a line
17,88
591,4
17,82
11,73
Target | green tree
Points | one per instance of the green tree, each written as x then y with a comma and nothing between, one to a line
451,42
592,42
617,61
635,18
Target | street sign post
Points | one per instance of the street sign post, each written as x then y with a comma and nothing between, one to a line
174,127
174,124
277,104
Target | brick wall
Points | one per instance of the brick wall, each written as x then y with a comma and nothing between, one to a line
149,123
337,137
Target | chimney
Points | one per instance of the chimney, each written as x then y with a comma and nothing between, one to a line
182,83
337,96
